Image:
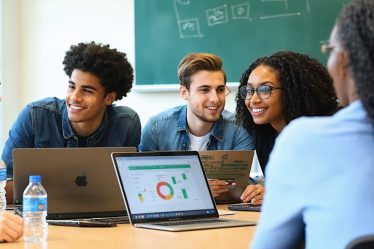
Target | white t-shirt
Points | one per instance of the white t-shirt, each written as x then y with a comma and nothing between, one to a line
199,143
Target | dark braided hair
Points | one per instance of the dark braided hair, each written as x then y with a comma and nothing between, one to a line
109,65
355,32
307,90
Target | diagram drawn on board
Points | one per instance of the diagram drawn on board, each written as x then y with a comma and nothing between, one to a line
190,27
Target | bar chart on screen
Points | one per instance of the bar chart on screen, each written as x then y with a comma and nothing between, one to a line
166,184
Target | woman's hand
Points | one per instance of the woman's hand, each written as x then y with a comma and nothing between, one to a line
253,194
219,186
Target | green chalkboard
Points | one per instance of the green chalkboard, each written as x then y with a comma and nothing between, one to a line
239,31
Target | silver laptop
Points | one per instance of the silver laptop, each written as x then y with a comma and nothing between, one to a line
231,166
168,191
80,182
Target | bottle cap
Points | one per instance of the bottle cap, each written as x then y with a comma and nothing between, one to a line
35,178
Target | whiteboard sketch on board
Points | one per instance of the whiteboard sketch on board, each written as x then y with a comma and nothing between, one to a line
241,11
239,31
189,27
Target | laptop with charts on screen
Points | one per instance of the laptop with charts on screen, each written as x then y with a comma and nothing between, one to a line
168,191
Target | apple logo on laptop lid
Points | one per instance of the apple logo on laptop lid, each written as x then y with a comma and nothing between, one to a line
81,180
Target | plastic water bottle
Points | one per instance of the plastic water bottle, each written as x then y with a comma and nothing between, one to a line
256,173
35,211
2,185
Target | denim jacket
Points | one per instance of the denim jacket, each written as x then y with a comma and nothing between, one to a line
45,124
168,131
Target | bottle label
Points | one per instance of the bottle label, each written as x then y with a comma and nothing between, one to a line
2,174
34,204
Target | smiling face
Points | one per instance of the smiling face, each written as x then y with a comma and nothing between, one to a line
86,102
266,111
205,98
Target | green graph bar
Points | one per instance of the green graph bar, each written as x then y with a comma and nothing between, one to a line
173,179
184,176
171,166
184,192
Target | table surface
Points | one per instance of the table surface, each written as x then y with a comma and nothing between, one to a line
126,236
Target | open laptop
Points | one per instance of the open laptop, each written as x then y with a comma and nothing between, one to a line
168,191
80,182
231,166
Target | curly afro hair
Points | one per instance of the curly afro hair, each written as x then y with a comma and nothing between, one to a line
355,31
109,65
307,90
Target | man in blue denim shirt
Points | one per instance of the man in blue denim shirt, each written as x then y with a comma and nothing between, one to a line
202,124
98,75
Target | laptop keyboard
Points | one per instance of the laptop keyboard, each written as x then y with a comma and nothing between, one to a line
189,222
117,220
111,219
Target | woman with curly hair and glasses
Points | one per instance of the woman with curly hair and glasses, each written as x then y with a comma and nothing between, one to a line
275,90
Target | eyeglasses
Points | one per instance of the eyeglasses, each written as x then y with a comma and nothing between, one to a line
263,92
326,47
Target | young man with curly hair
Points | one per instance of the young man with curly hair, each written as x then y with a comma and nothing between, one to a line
98,75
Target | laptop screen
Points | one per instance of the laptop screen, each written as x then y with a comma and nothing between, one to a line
164,186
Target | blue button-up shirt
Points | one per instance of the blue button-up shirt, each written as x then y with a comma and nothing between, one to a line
45,124
319,183
168,131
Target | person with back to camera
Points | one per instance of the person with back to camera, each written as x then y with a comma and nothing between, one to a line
329,200
201,124
98,75
275,90
11,225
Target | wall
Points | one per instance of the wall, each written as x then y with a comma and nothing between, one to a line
43,30
11,64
